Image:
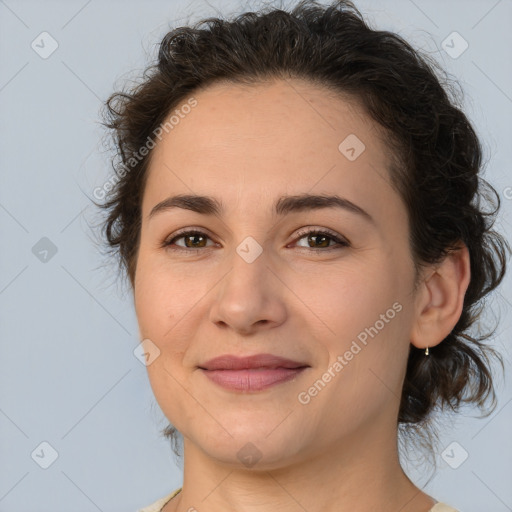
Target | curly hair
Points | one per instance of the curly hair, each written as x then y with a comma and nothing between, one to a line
437,158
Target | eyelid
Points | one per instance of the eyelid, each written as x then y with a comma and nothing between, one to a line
340,240
186,231
326,231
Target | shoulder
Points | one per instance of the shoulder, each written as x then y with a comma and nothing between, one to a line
159,504
442,507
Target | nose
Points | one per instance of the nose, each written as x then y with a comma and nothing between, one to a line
250,297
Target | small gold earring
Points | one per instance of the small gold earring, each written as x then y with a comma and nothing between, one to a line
426,351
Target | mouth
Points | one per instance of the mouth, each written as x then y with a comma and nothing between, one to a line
254,379
253,373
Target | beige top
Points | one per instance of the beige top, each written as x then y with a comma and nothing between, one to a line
158,505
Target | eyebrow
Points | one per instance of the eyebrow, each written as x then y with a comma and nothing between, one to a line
207,205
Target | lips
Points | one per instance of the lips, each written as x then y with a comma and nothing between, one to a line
251,374
229,362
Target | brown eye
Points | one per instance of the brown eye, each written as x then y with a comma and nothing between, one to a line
192,240
317,239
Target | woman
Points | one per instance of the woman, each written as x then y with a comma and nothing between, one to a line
296,212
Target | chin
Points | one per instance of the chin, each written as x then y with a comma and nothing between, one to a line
251,448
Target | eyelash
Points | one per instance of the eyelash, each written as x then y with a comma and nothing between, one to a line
342,242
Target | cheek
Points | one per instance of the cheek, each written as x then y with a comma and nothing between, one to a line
166,297
155,294
365,312
349,299
160,291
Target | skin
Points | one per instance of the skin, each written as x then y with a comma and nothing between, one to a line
247,146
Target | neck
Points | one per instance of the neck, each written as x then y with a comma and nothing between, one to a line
360,473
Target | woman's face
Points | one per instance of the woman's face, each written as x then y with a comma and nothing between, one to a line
254,282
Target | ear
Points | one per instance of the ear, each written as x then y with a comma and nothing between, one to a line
440,298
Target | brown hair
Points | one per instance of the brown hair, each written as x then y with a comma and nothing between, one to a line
437,157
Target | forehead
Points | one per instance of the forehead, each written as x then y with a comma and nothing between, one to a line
285,136
287,109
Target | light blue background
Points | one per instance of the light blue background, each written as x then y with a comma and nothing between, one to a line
68,375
